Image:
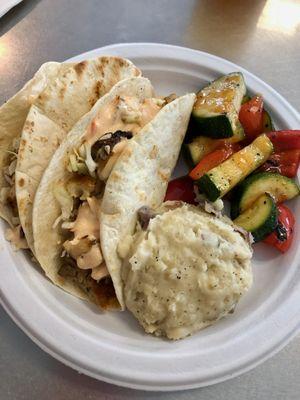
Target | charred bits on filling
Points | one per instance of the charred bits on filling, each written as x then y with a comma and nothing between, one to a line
144,215
104,146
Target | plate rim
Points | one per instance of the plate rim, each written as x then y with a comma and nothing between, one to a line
20,321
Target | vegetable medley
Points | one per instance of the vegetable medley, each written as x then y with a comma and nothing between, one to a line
237,154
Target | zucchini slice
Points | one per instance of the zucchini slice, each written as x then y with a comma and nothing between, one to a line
199,148
246,98
260,219
216,111
280,187
267,122
221,179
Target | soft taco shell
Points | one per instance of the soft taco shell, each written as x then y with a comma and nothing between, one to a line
48,240
13,114
40,139
140,178
75,92
67,97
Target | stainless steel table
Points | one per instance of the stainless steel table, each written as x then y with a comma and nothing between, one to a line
262,36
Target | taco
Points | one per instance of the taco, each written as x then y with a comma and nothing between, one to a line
67,206
35,121
13,114
140,178
67,203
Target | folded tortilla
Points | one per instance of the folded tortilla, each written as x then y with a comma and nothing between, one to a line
40,138
47,232
13,114
35,121
140,178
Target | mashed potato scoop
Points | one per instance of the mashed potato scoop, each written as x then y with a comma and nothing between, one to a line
185,270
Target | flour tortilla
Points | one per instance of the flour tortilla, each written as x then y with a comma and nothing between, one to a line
40,139
48,240
140,178
70,93
75,92
13,114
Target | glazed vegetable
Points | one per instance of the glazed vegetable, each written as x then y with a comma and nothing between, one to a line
215,112
181,189
279,186
246,98
260,218
285,163
267,122
200,147
285,140
221,179
251,117
212,160
254,118
283,235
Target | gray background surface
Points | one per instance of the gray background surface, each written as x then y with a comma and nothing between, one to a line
244,32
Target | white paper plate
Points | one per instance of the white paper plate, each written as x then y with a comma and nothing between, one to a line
6,5
112,347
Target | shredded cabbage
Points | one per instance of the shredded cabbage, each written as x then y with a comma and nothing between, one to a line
77,161
65,201
90,163
81,187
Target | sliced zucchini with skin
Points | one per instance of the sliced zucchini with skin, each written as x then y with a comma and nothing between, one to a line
246,98
267,122
280,187
260,219
200,147
203,145
221,179
216,111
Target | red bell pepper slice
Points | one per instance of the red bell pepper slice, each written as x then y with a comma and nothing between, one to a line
283,235
181,189
251,117
285,140
210,161
285,163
